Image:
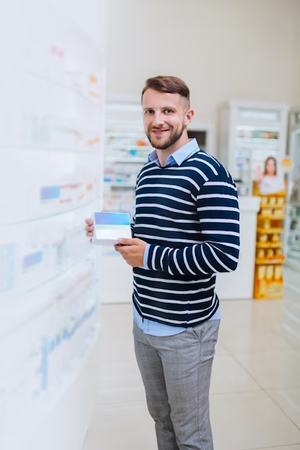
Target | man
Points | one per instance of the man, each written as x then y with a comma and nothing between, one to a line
185,230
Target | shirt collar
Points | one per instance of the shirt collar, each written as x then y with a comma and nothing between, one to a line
179,156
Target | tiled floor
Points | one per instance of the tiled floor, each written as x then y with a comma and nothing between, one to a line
255,390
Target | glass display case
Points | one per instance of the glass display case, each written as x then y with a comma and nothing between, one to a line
293,211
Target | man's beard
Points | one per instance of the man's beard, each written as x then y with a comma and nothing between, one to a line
174,137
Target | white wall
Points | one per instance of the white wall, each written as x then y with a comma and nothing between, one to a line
223,49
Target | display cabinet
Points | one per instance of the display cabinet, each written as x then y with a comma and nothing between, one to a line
293,197
250,133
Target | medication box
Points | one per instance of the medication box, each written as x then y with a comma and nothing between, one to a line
108,227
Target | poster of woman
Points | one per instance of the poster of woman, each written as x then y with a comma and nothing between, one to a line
269,181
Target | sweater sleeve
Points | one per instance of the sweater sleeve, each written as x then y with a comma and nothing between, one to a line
132,225
219,240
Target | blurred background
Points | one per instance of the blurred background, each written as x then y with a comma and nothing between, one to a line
72,142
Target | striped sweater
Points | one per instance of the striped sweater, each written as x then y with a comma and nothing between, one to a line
189,215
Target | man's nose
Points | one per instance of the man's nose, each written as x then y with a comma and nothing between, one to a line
158,119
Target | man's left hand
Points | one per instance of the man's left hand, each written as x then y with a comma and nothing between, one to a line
132,251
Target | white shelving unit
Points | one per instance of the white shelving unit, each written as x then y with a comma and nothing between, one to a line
52,114
250,133
126,151
293,195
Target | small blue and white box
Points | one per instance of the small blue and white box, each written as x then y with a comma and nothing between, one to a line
109,226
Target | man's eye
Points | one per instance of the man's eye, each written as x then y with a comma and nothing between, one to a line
149,111
168,111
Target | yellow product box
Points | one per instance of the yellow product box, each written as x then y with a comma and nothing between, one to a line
275,290
266,212
261,272
264,201
260,253
272,201
269,273
278,213
260,285
266,224
270,253
262,289
263,238
278,273
275,238
280,201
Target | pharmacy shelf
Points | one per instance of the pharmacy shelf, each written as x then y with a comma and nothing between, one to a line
79,91
272,206
270,230
129,160
269,261
257,142
294,204
269,245
260,216
40,148
119,146
119,185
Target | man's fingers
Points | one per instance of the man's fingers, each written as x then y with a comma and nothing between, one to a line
121,249
126,241
89,221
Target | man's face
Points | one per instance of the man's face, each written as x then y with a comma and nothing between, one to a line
165,117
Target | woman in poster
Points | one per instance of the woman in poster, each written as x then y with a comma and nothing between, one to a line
269,182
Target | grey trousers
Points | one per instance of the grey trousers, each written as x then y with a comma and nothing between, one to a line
176,372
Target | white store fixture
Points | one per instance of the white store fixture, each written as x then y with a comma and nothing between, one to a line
52,87
239,284
250,133
293,195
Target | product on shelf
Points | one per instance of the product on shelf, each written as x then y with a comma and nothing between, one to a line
264,202
269,273
260,284
270,253
261,253
263,238
266,212
275,238
266,224
278,273
280,201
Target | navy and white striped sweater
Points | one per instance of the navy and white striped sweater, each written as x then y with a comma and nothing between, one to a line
189,215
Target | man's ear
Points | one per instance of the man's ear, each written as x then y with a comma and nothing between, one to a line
189,116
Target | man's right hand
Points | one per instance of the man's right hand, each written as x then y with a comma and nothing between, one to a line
89,228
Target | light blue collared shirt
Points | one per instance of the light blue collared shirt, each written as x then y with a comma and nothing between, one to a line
149,326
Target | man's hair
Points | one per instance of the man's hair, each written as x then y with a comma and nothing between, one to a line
168,84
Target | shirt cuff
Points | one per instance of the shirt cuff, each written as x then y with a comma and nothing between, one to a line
146,254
